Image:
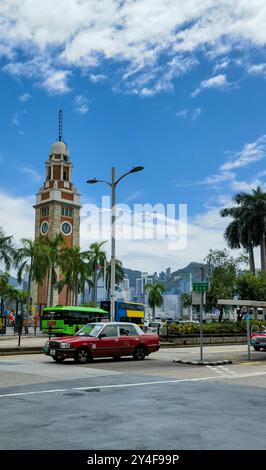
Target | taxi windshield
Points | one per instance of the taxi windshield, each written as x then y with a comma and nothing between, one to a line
91,329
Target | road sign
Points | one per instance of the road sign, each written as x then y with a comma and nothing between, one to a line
247,317
200,286
196,298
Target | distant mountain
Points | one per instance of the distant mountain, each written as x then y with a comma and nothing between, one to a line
132,276
193,268
176,276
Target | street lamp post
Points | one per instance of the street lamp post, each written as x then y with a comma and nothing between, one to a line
113,185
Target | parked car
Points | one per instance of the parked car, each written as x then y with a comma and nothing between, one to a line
258,339
154,327
103,340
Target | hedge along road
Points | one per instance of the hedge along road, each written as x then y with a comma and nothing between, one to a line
154,404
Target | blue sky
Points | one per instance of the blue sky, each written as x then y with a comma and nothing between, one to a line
176,88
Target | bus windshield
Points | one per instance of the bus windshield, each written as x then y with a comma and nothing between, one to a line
53,315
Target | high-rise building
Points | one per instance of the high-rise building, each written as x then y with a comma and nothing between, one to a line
125,283
168,274
57,209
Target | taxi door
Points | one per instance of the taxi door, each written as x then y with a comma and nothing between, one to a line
128,339
107,344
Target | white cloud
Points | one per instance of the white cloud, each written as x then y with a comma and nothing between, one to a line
251,153
182,113
25,97
219,81
196,114
257,69
218,178
16,120
141,35
247,186
33,174
56,81
95,78
81,104
222,65
17,215
204,231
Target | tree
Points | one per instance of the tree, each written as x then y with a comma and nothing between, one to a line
75,271
250,226
7,251
51,247
155,298
97,259
238,234
222,268
186,300
119,275
250,287
31,258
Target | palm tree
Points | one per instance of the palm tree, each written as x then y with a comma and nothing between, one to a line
238,233
7,251
31,258
254,206
51,248
250,223
155,298
97,259
75,270
119,275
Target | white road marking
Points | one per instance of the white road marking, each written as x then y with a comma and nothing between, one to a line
226,370
221,370
137,384
36,392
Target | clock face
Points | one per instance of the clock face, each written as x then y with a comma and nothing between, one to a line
44,228
66,228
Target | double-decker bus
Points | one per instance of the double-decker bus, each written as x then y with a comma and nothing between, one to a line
126,311
67,320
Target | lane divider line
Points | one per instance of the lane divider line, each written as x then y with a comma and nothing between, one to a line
137,384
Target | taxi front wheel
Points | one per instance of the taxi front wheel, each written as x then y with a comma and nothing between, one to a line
82,355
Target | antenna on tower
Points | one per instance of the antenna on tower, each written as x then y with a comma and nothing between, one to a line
60,125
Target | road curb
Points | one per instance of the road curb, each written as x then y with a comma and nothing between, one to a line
204,363
22,350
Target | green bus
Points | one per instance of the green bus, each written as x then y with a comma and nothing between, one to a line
67,320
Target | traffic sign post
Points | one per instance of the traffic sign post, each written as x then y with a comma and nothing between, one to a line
248,317
201,287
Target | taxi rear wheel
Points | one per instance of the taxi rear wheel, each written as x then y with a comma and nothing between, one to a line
257,348
82,356
140,353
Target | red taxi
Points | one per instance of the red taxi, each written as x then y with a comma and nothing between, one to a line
258,339
103,340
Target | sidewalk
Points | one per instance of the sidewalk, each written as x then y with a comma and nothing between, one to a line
28,344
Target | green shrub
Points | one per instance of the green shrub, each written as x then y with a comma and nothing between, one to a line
211,328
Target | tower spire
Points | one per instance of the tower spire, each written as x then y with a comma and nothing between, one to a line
60,125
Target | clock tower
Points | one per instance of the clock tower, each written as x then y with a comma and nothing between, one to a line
57,209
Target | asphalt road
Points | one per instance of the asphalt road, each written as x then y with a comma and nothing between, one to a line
153,404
